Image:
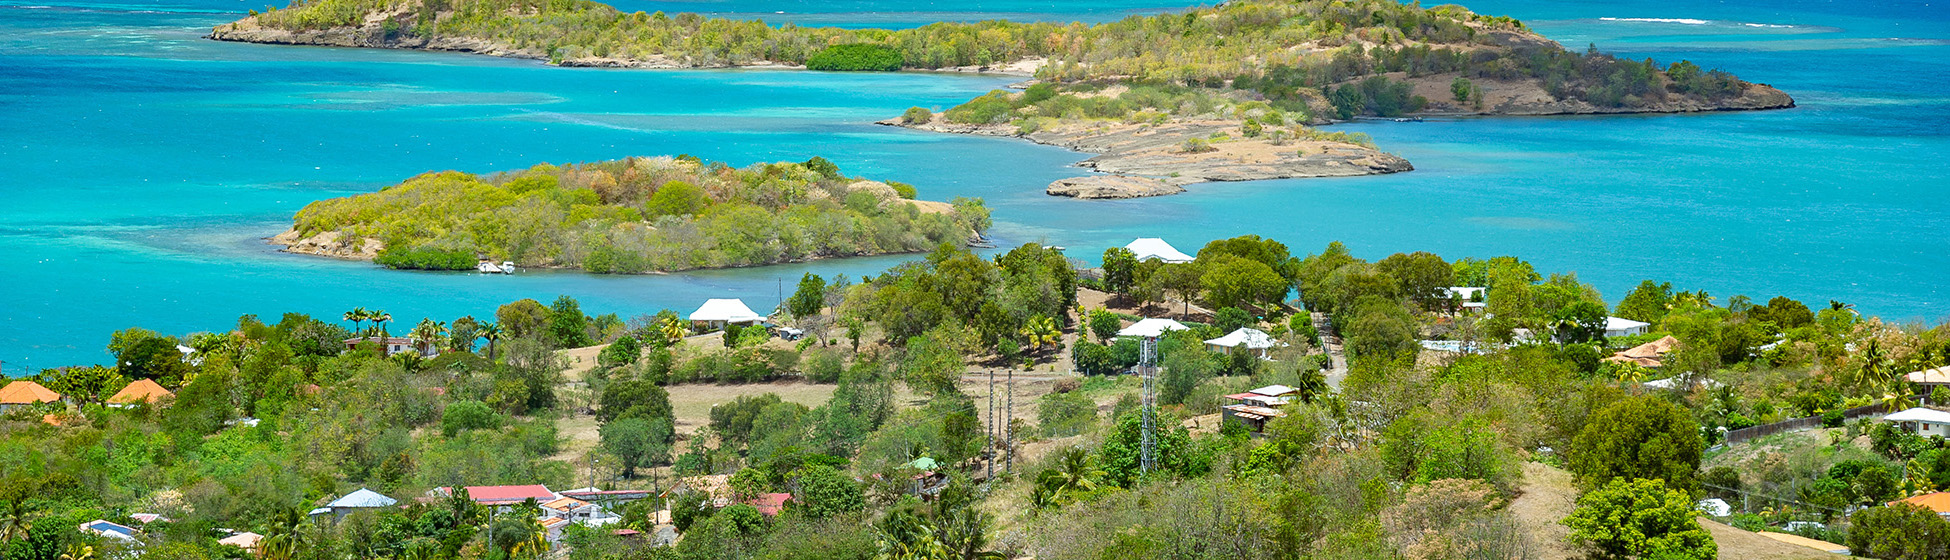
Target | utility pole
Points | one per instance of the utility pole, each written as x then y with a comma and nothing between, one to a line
1147,456
990,434
1010,427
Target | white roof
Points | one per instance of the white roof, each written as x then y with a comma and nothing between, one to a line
242,540
1248,337
1155,248
1934,376
363,499
1465,291
1919,414
1273,390
1621,323
729,310
1152,328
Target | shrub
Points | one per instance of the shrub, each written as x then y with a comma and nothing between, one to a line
425,258
917,115
1196,146
1638,438
1902,531
857,57
992,107
1065,414
1640,519
904,190
467,415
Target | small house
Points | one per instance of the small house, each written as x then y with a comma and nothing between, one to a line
1619,326
1922,421
771,504
501,496
716,313
1245,338
1938,502
394,345
142,391
20,393
1147,248
1469,297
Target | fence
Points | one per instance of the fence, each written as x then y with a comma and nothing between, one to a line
1798,424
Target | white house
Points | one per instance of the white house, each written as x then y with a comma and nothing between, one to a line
1923,421
1155,248
395,345
1152,328
1245,337
716,313
358,500
1619,326
1473,297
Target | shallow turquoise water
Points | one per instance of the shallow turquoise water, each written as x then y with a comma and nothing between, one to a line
140,165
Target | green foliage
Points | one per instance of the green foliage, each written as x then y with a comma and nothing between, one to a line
991,108
568,327
1178,455
624,351
1640,519
1104,324
638,442
1640,437
857,57
1899,532
1461,88
917,115
1646,303
467,415
809,298
825,492
425,258
637,215
633,398
1120,269
1064,414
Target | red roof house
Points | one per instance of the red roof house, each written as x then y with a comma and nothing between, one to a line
504,495
770,504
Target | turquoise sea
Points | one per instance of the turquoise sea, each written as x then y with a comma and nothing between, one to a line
140,165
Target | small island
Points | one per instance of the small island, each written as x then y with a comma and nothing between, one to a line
636,215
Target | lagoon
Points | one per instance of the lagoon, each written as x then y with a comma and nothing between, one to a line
140,166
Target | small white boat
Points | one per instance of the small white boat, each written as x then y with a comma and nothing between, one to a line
489,267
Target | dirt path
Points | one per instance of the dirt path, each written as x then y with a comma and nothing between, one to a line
1335,351
1548,497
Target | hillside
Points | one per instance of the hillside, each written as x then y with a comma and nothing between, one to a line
631,216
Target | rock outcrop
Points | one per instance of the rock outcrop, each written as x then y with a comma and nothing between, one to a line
328,244
1112,187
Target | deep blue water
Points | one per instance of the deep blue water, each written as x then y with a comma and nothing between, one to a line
140,166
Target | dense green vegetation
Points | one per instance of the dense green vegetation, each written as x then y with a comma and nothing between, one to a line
856,57
1412,454
639,215
1285,51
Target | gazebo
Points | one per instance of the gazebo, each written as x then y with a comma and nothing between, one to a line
1154,248
716,313
1246,337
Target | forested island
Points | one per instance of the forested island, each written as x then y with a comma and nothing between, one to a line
632,216
1384,415
1311,61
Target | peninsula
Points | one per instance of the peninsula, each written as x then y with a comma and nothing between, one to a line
635,215
1313,61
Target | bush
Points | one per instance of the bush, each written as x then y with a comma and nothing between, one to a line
1832,419
1638,438
467,415
1065,414
1640,519
425,258
1196,146
917,115
990,108
857,57
904,190
1902,531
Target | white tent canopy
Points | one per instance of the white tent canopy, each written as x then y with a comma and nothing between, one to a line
1919,414
1152,328
363,498
725,311
1155,248
1247,337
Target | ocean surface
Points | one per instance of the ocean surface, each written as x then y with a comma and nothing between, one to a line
141,166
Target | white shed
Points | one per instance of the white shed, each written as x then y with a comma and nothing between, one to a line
1152,328
716,313
1923,421
1248,338
1155,248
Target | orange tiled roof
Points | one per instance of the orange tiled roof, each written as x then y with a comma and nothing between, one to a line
1938,502
142,390
26,392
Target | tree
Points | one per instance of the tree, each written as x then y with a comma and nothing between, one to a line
1419,276
1900,531
1073,476
638,442
825,491
1120,269
677,198
1230,319
1041,332
633,398
1461,88
357,316
491,332
1104,324
623,352
1580,322
568,327
427,334
522,318
1640,519
1183,371
1646,303
1234,282
1639,437
809,298
1184,280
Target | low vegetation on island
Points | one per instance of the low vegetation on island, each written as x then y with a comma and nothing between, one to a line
1437,430
631,216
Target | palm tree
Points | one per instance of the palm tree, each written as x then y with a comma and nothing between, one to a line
357,316
672,329
1073,475
1041,331
380,318
491,332
14,516
79,551
427,334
